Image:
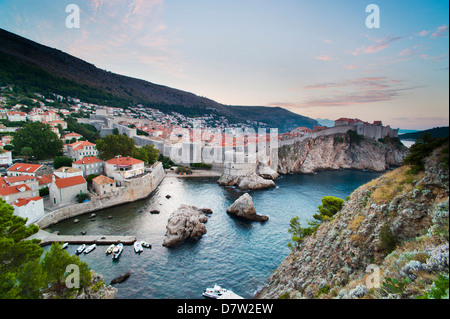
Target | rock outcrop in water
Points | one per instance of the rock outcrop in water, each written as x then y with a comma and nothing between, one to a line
397,223
338,151
246,183
243,207
185,223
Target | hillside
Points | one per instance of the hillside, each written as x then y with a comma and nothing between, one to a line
33,66
437,132
396,225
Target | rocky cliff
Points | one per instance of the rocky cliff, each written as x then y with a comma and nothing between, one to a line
338,151
396,224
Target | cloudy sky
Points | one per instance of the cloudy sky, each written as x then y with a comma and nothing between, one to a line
316,58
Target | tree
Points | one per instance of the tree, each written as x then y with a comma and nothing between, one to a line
15,250
140,154
55,263
152,153
112,145
39,137
330,206
60,161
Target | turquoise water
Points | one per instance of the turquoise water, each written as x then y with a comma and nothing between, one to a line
236,254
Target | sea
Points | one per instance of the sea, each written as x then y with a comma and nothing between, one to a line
236,254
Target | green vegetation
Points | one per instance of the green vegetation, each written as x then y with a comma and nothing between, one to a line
439,289
388,242
23,274
112,145
423,148
148,153
329,208
166,161
44,191
82,197
88,132
40,139
183,170
354,137
60,161
200,166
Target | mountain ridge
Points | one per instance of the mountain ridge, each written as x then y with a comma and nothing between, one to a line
136,91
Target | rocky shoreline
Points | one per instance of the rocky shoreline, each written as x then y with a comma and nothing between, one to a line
401,209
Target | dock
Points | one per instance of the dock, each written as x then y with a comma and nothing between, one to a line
47,238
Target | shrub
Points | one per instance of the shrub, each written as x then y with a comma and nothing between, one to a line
423,147
201,166
82,197
388,242
355,137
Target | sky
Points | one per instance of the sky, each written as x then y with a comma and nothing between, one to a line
315,58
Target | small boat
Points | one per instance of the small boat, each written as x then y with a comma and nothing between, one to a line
90,248
145,244
117,251
65,245
110,249
81,248
138,247
215,292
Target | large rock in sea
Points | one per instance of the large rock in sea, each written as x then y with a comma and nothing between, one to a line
185,223
243,207
266,172
245,183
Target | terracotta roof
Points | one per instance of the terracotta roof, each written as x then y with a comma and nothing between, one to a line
14,189
46,179
88,160
124,161
80,145
24,167
21,178
70,181
102,180
24,201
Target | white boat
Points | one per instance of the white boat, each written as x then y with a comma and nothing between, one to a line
215,292
65,245
110,249
138,247
145,244
117,251
81,248
90,248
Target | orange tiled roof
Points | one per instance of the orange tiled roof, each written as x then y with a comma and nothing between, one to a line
101,180
124,161
14,189
69,181
88,160
24,167
24,201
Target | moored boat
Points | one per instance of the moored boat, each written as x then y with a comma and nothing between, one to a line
90,248
138,247
81,249
110,249
146,244
215,292
117,251
65,245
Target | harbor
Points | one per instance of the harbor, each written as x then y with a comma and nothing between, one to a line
47,238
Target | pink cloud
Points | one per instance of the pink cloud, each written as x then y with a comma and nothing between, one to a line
423,33
325,57
382,44
440,32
